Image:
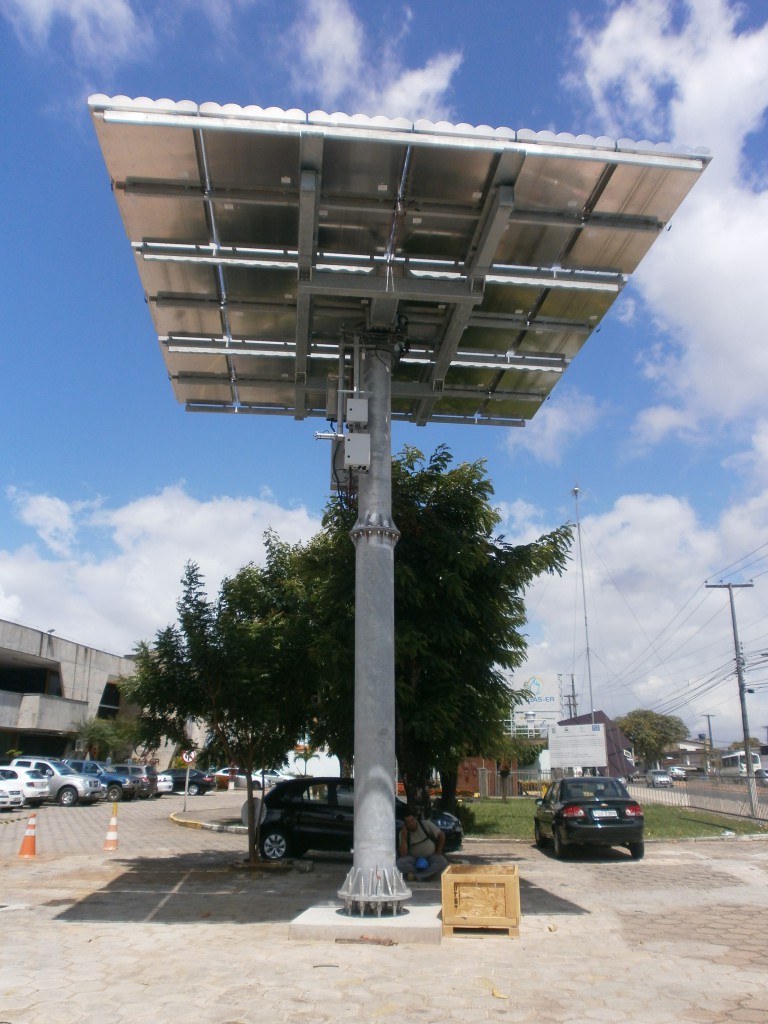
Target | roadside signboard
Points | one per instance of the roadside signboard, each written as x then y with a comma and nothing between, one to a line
577,746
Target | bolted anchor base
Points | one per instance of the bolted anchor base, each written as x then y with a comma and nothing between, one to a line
374,891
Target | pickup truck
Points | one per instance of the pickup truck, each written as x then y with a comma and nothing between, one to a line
67,786
120,786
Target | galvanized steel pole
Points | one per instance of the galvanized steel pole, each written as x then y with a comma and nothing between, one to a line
374,883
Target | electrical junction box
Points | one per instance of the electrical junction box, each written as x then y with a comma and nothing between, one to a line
357,412
340,475
357,452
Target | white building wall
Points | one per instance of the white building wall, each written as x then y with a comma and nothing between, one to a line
83,673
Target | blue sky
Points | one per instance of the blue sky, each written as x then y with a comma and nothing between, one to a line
107,486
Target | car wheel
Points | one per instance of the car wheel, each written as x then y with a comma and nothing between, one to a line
538,836
114,793
559,846
68,796
193,789
637,850
274,844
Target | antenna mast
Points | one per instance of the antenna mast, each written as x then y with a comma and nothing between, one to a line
575,493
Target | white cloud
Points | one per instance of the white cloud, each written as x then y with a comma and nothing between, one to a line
332,56
54,521
521,521
110,600
331,42
658,637
687,71
420,92
558,426
657,422
101,31
753,462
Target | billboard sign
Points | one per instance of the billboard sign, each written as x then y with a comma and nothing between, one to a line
577,746
542,708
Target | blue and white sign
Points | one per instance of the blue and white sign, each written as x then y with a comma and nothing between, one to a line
542,708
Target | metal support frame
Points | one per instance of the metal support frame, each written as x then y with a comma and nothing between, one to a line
374,883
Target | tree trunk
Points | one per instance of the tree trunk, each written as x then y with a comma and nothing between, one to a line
253,824
448,783
417,795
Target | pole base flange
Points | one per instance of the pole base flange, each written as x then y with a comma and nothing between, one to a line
374,891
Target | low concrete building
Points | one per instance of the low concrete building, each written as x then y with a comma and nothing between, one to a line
48,685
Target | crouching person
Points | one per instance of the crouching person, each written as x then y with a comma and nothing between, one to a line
420,849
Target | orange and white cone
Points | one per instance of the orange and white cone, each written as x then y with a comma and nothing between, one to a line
110,843
28,848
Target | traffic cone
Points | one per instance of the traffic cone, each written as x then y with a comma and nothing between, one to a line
110,843
27,848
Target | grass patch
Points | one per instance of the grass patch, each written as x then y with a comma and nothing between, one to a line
513,819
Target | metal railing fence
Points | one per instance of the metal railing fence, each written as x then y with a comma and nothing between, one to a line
728,796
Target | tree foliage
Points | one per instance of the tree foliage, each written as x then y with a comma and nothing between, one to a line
651,733
235,666
459,615
108,737
754,744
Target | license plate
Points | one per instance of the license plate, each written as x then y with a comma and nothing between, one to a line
605,814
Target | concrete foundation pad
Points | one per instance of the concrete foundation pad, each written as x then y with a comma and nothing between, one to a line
329,922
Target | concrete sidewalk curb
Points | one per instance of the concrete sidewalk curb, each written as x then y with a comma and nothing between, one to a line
211,826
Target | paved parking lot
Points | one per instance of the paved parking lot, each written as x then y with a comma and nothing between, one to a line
170,927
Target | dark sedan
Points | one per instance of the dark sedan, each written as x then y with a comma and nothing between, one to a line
317,814
199,782
589,812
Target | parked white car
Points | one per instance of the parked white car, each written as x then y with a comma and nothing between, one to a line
269,776
273,775
34,786
164,783
12,795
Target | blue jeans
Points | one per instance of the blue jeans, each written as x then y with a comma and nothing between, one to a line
437,865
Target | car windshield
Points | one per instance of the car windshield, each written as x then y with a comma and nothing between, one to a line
592,789
64,769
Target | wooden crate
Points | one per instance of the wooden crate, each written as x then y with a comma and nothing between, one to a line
481,896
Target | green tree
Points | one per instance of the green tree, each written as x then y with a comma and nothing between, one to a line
235,666
651,733
754,744
459,615
107,737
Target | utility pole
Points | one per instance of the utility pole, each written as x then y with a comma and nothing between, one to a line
730,587
709,727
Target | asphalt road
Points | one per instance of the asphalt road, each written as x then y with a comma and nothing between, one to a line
170,928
